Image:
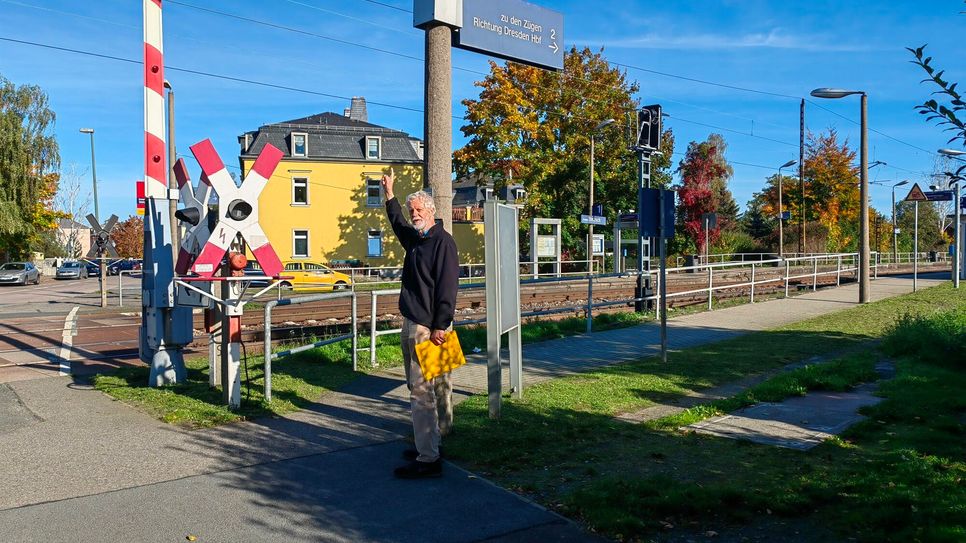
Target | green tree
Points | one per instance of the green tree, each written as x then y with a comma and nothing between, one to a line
534,126
757,221
930,238
29,157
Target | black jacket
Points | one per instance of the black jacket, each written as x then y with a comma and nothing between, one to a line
430,271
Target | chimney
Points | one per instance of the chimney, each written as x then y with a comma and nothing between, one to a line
357,110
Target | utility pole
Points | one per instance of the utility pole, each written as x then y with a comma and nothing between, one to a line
438,120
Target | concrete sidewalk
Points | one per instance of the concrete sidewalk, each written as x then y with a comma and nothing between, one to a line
76,465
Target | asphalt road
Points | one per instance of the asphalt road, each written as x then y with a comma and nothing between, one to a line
58,297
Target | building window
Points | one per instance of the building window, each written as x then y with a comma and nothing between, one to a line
299,144
300,243
375,243
373,192
300,191
373,144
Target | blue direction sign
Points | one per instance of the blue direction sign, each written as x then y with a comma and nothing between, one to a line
513,30
593,219
939,195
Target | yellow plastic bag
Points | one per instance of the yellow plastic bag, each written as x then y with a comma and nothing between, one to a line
435,360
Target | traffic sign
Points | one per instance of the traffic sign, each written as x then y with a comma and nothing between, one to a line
513,30
593,219
916,194
139,192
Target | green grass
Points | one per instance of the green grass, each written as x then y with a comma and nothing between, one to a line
297,381
899,476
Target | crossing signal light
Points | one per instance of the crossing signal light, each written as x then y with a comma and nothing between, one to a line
189,215
649,127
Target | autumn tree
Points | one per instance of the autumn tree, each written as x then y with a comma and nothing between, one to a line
128,237
534,126
704,171
29,158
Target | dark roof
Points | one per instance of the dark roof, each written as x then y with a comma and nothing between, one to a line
334,137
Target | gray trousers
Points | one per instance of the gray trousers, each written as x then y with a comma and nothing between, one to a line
431,402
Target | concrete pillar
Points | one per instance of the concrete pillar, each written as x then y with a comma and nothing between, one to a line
438,121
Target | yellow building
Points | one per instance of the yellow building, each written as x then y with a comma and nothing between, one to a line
325,201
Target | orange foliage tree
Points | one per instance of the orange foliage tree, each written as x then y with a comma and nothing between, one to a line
128,237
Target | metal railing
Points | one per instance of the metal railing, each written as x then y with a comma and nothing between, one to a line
120,285
269,355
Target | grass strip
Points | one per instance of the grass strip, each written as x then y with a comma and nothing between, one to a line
896,477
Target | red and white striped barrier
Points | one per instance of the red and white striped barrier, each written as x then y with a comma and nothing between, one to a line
155,164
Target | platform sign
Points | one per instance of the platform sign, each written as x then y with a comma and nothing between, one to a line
648,219
593,219
139,193
916,194
939,195
513,30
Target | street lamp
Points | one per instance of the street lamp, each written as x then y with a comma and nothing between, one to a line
957,203
90,131
781,215
895,229
864,186
590,212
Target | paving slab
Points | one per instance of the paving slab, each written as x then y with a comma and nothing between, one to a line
796,423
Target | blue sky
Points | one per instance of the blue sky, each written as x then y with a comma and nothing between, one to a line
780,49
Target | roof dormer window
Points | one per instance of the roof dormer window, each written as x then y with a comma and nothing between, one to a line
373,147
300,142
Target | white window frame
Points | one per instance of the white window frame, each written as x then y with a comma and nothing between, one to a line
307,194
381,237
378,140
308,244
306,150
382,196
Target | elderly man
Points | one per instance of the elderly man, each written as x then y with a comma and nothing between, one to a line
427,302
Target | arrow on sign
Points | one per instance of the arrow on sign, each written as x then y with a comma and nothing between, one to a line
553,45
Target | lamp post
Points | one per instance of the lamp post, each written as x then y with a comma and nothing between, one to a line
957,203
97,216
590,211
864,186
895,229
781,215
90,131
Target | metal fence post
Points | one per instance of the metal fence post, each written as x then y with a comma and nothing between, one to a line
590,303
752,282
815,274
787,268
710,286
120,289
267,349
372,332
838,270
355,334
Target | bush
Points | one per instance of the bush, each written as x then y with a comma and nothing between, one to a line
939,338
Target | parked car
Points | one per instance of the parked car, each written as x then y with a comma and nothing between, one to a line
93,268
71,270
19,273
312,275
123,265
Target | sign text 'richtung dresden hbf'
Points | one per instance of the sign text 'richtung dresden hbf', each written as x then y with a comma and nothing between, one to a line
513,30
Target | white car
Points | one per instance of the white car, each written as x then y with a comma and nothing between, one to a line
19,273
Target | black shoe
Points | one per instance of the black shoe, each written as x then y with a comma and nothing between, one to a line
420,470
412,454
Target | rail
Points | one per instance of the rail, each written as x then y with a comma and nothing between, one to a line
120,285
269,355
